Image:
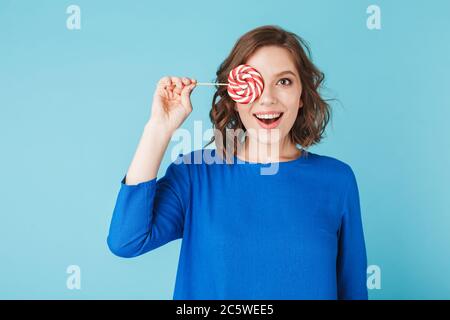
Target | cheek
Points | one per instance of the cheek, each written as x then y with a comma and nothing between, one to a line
244,113
292,103
290,116
290,97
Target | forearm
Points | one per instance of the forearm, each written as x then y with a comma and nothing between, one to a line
149,153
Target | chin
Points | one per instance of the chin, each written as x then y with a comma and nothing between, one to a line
266,136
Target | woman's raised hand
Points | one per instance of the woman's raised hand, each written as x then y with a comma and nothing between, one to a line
172,102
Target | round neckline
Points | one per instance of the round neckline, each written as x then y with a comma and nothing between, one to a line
302,157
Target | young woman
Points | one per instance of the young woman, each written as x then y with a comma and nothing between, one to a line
290,233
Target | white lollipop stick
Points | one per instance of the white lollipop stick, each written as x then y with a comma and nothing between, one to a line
211,84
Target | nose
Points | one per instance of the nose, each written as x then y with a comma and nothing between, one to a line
267,97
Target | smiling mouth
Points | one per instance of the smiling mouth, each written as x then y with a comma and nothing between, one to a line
269,121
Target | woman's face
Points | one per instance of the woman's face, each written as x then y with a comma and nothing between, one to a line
280,97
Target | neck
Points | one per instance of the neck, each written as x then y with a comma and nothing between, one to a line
254,151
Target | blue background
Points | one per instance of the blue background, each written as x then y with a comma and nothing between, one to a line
73,105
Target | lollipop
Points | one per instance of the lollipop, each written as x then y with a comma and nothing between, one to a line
245,84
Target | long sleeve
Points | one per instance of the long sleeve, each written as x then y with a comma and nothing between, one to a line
352,259
150,214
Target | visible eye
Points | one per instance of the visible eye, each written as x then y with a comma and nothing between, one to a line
289,81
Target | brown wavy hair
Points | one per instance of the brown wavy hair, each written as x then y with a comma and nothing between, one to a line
312,118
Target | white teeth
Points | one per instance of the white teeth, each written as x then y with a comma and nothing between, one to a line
268,116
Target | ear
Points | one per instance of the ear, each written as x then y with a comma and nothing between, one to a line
301,103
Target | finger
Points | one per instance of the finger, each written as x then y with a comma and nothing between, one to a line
178,83
186,81
185,95
187,90
163,86
165,81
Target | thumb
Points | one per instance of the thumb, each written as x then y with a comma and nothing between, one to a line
185,94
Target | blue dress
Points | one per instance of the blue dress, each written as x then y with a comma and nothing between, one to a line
286,230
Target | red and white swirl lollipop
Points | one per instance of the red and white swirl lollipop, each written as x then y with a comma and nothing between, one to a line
245,84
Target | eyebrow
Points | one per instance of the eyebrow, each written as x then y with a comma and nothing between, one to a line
285,72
